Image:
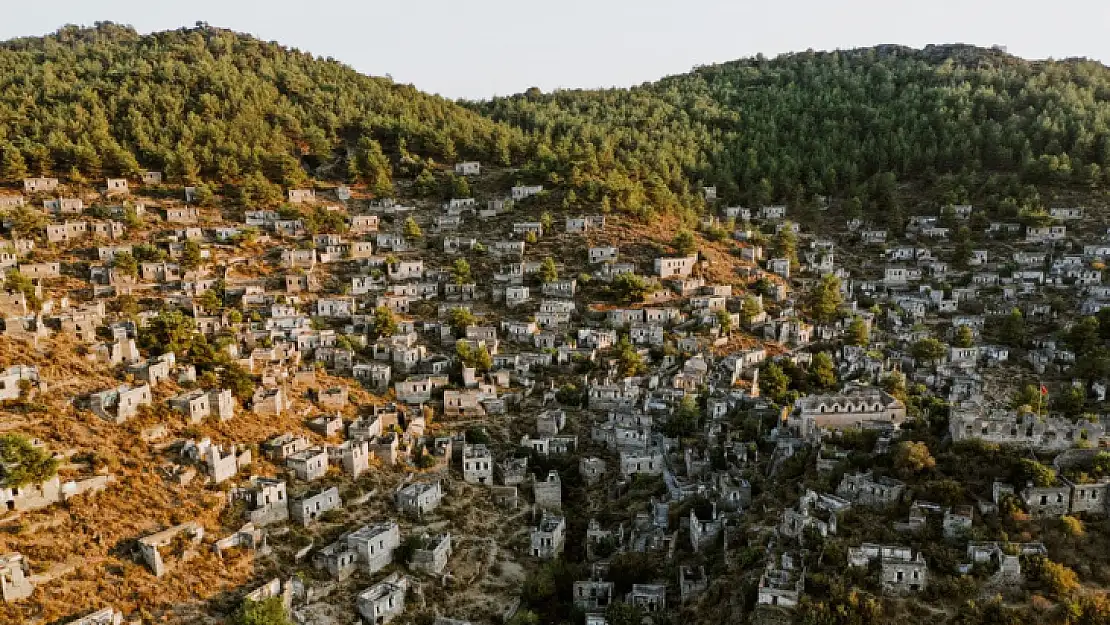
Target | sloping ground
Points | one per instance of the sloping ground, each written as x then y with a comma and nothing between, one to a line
99,529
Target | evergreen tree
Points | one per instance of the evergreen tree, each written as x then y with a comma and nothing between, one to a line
965,337
825,299
412,229
548,271
785,245
749,308
460,272
1011,331
125,264
773,382
684,243
858,334
13,168
823,371
385,324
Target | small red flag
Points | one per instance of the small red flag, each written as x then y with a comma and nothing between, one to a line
1044,390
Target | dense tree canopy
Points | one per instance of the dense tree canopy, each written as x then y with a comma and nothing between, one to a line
850,124
206,104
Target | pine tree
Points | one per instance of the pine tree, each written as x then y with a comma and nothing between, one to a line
13,168
548,271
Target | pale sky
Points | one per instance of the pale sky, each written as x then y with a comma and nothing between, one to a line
480,48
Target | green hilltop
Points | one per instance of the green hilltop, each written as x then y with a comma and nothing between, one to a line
206,104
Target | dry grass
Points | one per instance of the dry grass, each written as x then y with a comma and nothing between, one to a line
88,541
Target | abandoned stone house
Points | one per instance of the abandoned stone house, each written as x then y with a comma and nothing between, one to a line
548,537
591,469
646,463
901,571
309,464
222,467
155,370
151,177
1045,234
477,464
362,224
550,445
577,225
16,378
15,578
104,616
432,553
865,489
384,601
550,422
336,397
516,295
338,559
691,582
548,493
648,597
121,403
266,498
309,508
522,192
524,228
40,271
675,267
300,196
31,496
957,522
352,456
704,533
374,545
284,446
198,404
40,185
418,389
607,254
268,401
781,585
419,498
183,215
118,186
592,595
1048,501
513,471
563,289
328,426
370,548
150,547
374,375
298,259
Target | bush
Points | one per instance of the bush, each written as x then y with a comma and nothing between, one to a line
477,436
22,463
266,612
1072,526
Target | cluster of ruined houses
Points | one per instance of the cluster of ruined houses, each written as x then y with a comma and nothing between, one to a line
545,327
914,286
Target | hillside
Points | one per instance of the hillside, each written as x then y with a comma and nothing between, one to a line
211,104
843,124
106,101
518,347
